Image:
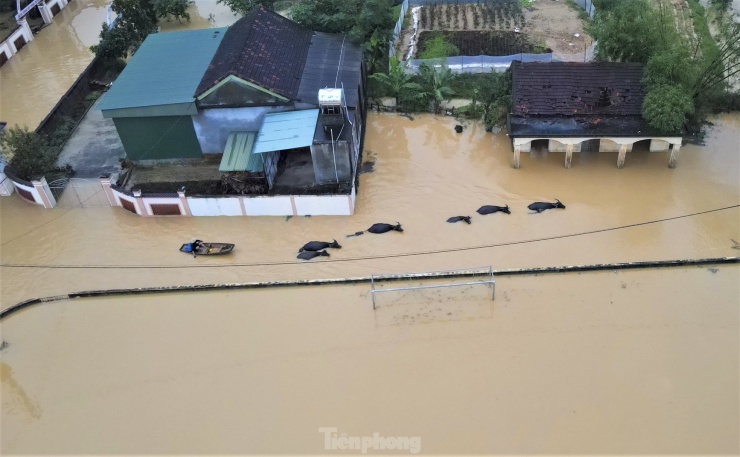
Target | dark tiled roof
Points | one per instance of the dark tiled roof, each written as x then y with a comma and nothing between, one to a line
263,48
570,88
579,126
327,54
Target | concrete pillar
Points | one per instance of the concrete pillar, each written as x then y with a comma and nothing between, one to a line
184,201
45,13
517,153
47,198
568,155
105,181
674,156
6,185
26,30
140,207
622,155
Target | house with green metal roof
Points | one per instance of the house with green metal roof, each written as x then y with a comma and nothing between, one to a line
151,103
254,92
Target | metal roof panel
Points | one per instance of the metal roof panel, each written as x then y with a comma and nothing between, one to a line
287,130
165,70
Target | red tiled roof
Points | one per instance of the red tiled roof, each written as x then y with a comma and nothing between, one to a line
263,48
571,88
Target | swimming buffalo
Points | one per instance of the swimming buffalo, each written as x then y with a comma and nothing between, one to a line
380,228
319,245
541,206
490,209
308,255
459,218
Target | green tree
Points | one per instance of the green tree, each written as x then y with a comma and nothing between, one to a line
172,8
671,68
374,17
329,16
438,47
242,7
135,20
435,83
28,153
665,108
630,30
397,81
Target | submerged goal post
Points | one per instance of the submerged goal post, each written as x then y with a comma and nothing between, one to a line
486,272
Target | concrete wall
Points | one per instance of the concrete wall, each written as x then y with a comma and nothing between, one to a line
8,47
324,205
215,206
323,156
6,185
37,192
283,205
212,126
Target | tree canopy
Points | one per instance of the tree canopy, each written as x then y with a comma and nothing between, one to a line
172,8
242,7
135,20
29,154
361,19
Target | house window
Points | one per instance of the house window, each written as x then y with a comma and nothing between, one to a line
331,109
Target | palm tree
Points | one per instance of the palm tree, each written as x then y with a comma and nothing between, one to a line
435,85
397,80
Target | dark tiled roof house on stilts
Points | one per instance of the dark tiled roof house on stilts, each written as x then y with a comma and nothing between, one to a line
261,90
579,107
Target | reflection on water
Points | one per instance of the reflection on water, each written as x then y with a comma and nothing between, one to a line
34,80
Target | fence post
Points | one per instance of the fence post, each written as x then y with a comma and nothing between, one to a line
105,181
42,188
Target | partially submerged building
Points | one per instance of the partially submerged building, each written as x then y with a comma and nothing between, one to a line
577,107
260,93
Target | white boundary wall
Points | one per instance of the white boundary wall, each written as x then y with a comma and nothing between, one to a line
281,205
8,45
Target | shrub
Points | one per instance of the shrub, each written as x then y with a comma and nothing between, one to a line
29,154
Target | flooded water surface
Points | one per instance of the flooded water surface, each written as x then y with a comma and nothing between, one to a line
33,81
630,362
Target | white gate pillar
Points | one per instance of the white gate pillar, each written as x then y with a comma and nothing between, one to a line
42,188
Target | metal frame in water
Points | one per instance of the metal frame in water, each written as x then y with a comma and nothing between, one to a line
462,272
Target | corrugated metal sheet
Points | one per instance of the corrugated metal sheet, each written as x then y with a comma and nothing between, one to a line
238,154
292,129
165,70
332,61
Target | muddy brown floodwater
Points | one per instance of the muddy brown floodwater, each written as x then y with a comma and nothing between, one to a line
33,81
630,362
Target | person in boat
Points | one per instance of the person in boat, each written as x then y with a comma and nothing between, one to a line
195,245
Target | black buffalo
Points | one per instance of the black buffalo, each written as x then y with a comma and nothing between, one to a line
490,209
459,218
308,255
380,228
319,245
541,206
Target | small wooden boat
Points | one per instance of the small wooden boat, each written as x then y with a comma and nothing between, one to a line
208,248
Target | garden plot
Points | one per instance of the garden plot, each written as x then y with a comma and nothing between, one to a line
544,25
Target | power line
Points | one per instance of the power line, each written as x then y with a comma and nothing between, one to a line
386,256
